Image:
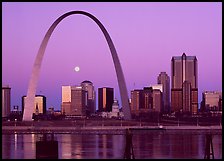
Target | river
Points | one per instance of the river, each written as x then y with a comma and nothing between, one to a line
146,145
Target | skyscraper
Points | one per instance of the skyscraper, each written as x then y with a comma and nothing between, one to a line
148,98
78,101
157,100
184,84
74,100
105,99
91,100
66,93
136,101
164,79
6,101
66,100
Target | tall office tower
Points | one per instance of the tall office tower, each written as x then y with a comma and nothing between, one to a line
164,79
74,101
6,101
186,94
184,86
91,98
157,100
136,101
211,101
66,93
78,101
147,98
40,104
105,99
66,100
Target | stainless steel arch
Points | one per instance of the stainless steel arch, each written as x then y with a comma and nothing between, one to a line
28,109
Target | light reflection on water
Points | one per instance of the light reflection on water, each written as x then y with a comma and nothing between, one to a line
155,145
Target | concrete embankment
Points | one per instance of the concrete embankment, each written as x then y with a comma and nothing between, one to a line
109,129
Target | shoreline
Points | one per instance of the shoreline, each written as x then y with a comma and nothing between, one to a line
108,129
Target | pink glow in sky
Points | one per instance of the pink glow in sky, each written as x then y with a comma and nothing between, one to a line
146,35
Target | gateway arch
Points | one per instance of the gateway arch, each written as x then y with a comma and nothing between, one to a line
28,109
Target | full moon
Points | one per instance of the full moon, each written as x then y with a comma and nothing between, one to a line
77,69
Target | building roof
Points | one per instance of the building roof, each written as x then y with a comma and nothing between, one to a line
6,87
86,81
186,57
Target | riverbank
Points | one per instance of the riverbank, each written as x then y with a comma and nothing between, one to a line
108,129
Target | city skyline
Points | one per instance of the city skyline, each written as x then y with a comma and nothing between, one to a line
146,36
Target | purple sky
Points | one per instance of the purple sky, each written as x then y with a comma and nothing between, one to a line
146,35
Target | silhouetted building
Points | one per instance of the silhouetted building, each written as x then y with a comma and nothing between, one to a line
136,101
6,101
147,98
157,97
164,79
78,101
141,101
40,104
157,100
220,103
184,86
186,96
211,101
91,96
105,99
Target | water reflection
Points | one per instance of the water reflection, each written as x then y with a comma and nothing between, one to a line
155,145
89,146
47,147
6,146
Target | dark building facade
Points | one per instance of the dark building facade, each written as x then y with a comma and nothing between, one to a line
142,101
147,98
105,99
6,101
157,100
78,101
91,101
164,79
136,101
184,84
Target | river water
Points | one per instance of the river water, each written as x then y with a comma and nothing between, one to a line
149,145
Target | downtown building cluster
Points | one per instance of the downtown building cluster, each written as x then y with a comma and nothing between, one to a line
151,99
184,92
80,100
